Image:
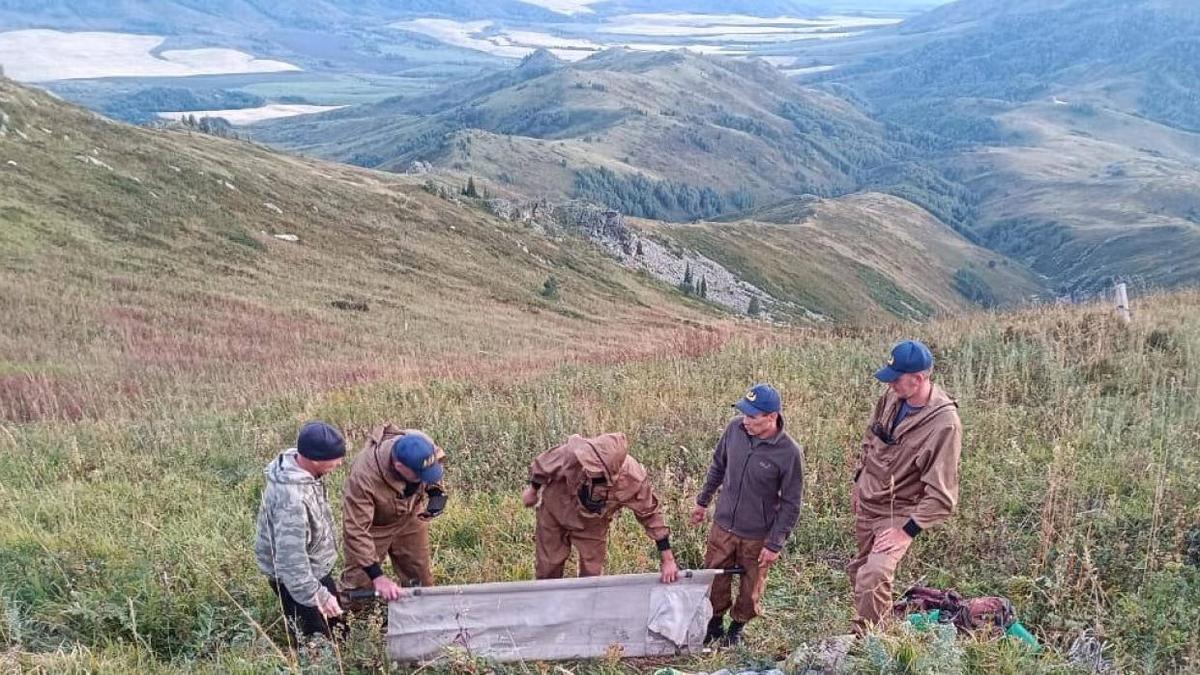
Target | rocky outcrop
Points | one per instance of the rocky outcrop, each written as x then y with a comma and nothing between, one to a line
418,168
634,249
596,223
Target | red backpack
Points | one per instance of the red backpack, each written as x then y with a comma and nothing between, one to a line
991,613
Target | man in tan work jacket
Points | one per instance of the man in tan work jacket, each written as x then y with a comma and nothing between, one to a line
394,490
583,484
907,476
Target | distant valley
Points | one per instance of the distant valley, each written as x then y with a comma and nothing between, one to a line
1012,122
1073,124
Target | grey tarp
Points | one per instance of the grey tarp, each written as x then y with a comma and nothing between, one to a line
554,619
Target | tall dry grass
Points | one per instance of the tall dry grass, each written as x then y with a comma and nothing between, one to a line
126,542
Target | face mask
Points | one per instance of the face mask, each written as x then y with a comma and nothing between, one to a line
435,505
593,495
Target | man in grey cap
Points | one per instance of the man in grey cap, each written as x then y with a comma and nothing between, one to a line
296,546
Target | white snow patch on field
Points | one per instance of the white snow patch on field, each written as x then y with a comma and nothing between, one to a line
703,33
509,43
466,34
245,116
683,25
808,70
47,55
565,6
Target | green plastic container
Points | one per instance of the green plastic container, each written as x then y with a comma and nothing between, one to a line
925,620
1017,631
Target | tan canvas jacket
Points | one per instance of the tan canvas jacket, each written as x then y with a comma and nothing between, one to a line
374,505
561,474
911,472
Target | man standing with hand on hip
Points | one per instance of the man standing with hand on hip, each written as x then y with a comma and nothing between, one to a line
907,476
760,472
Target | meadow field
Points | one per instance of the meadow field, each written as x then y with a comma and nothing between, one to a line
125,538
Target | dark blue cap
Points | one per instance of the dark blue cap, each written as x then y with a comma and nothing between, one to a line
417,451
320,442
910,356
760,400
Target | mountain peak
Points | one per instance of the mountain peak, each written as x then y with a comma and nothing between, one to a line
540,62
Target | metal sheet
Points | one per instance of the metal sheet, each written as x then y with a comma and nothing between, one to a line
555,619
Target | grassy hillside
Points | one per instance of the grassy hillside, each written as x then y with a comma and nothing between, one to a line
843,258
1093,194
160,344
146,264
677,122
126,548
143,264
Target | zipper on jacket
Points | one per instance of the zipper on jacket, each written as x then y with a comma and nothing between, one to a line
741,483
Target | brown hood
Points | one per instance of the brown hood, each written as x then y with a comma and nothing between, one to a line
939,402
561,471
603,455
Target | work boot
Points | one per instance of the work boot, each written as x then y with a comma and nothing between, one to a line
733,636
716,630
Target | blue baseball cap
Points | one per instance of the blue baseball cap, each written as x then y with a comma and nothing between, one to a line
760,400
417,451
910,356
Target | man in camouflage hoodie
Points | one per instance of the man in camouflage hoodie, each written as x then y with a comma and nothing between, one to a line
296,546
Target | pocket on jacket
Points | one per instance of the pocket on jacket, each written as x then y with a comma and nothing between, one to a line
768,515
765,476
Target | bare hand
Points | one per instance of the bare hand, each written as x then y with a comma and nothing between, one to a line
387,589
767,557
530,497
331,608
669,570
892,541
698,514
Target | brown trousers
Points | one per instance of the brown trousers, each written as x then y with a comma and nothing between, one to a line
872,574
554,543
407,546
726,550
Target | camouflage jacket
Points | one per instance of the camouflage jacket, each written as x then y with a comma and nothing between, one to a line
296,543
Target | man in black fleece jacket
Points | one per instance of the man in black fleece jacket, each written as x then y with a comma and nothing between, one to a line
760,471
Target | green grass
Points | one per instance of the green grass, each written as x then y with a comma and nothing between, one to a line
126,547
854,259
155,359
160,280
891,297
